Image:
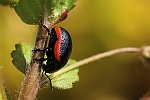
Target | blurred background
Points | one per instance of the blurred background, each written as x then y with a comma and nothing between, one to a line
95,26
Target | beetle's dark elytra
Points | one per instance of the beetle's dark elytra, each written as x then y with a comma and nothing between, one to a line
59,49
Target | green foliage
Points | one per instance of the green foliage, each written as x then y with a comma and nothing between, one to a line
9,2
22,56
65,80
7,93
4,94
56,7
32,11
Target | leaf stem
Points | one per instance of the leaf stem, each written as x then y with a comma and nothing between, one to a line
97,57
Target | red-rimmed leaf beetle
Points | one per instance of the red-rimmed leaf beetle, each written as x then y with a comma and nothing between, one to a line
58,50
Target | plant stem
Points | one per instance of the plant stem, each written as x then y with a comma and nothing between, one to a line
30,86
3,91
97,57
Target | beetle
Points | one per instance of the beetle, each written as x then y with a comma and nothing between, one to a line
58,50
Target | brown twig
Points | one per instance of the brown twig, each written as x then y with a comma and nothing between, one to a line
31,85
97,57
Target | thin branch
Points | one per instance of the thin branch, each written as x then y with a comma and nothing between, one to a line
97,57
31,84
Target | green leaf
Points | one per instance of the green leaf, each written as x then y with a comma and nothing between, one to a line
22,56
9,2
7,93
65,80
4,94
56,7
32,11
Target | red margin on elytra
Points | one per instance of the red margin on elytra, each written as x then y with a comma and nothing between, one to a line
58,43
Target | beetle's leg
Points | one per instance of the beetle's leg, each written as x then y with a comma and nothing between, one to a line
44,73
40,50
50,82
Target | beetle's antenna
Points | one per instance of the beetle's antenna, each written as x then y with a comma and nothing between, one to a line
49,32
